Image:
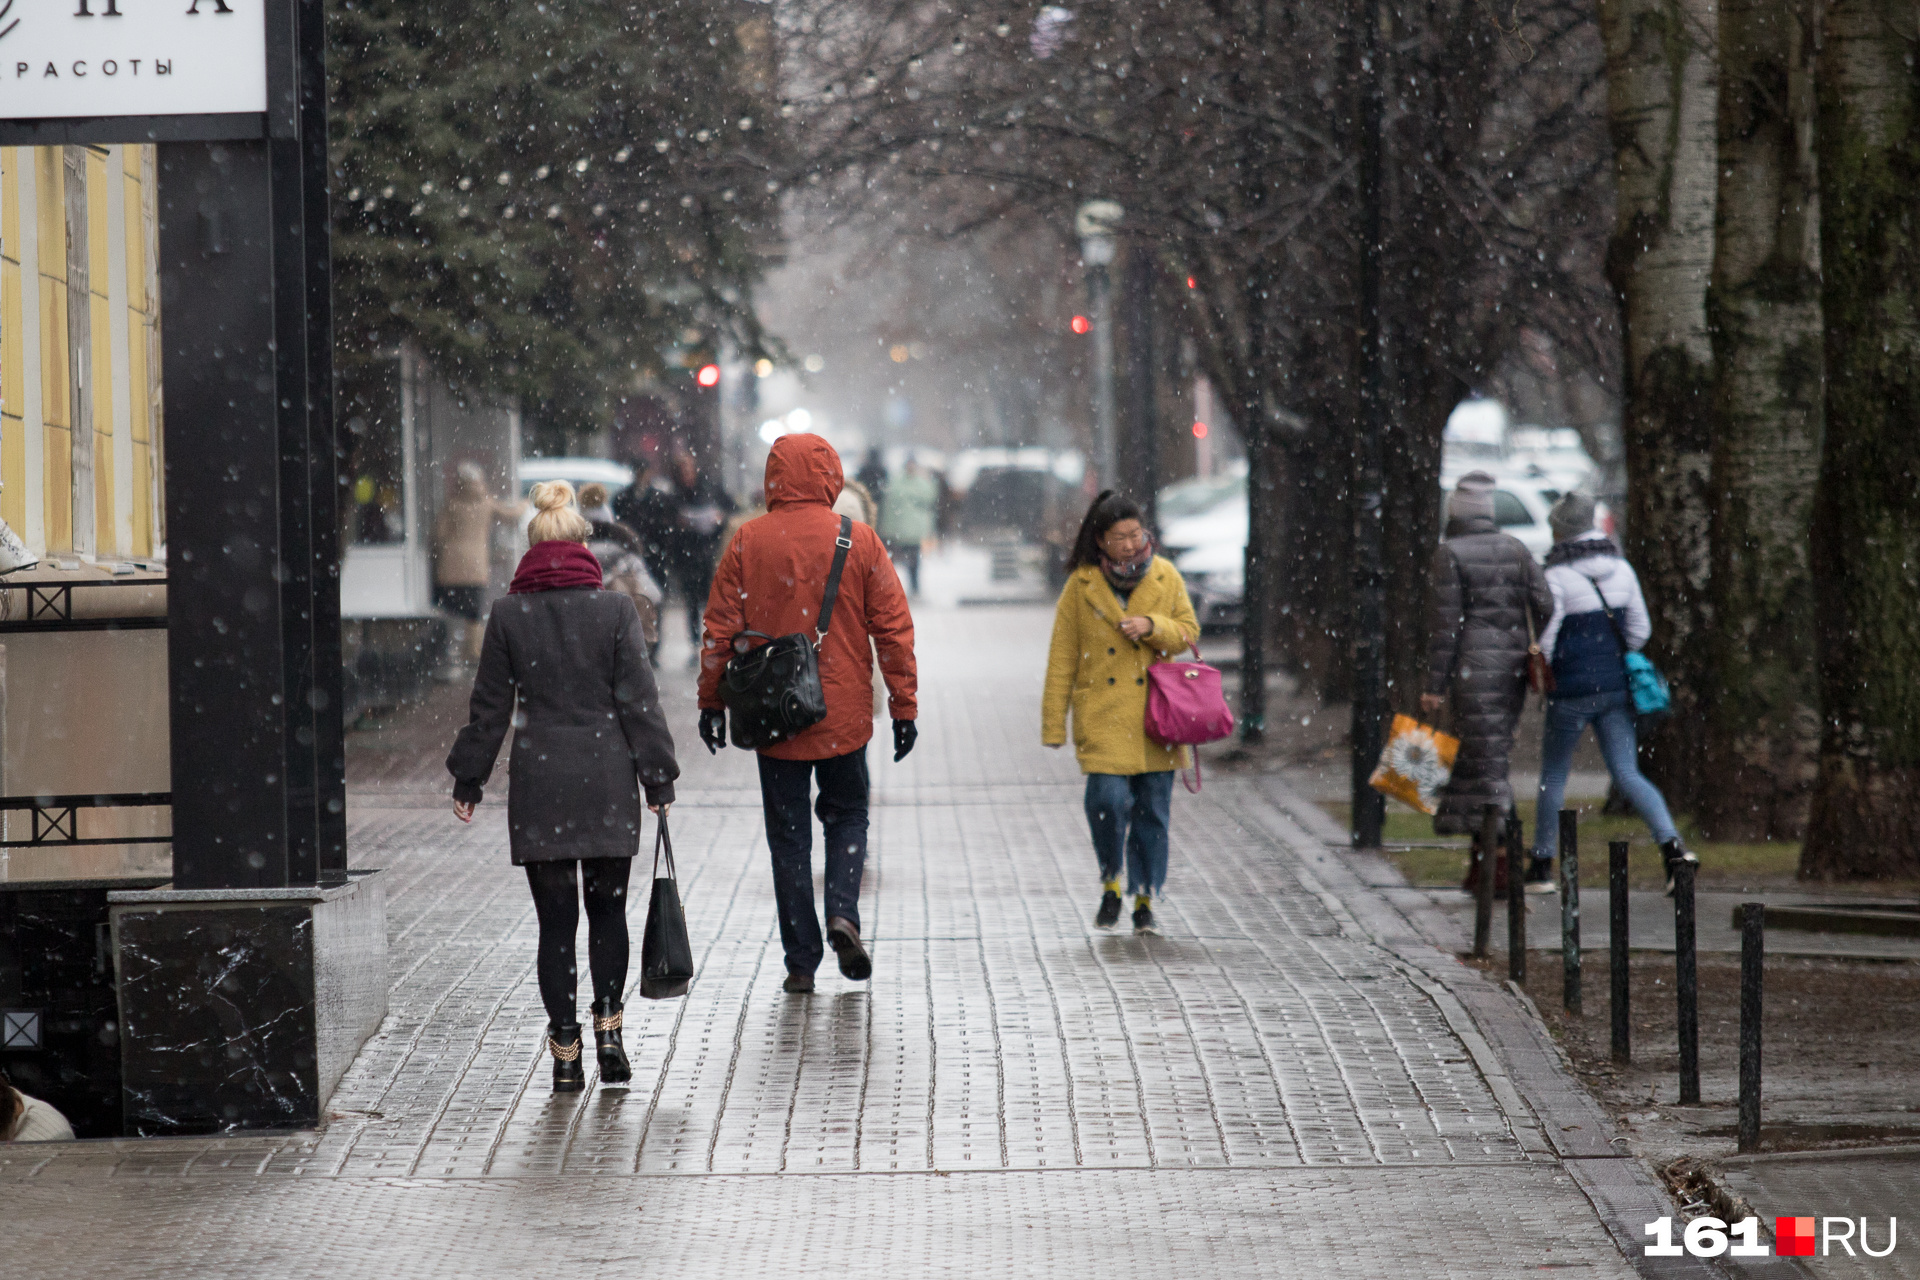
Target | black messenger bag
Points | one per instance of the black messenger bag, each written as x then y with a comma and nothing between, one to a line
772,691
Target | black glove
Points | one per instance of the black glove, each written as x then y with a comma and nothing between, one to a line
713,730
905,734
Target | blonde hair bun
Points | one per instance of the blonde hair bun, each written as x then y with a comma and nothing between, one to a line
556,516
552,495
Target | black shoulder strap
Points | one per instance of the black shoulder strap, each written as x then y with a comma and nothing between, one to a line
1612,621
841,546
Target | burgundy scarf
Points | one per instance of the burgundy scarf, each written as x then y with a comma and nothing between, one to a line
555,565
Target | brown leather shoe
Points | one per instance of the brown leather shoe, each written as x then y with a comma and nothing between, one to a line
855,963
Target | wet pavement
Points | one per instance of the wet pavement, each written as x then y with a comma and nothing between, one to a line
1283,1082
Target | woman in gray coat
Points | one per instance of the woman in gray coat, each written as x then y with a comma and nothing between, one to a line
1485,583
589,735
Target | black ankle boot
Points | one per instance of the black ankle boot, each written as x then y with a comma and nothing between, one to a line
1672,853
607,1020
563,1042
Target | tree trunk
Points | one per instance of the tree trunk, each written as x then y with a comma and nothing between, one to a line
1865,819
1661,113
1763,719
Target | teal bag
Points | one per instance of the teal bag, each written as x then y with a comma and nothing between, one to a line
1651,696
1645,685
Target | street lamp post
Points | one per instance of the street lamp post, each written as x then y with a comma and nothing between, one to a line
1366,731
1095,224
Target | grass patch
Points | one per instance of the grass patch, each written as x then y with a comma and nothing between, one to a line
1722,866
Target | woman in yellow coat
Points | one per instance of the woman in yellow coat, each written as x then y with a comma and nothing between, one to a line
1123,609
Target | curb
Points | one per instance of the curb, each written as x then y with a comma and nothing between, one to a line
1552,1113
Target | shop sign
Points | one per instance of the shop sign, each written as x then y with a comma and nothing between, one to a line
64,59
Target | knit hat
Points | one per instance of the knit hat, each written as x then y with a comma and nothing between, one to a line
1472,496
1571,517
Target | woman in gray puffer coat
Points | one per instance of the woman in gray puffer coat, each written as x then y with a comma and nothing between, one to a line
1484,584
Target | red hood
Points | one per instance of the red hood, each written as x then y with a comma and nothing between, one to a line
803,469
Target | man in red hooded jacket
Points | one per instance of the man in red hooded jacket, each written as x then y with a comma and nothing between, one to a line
771,580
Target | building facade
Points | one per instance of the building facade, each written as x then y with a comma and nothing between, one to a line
80,404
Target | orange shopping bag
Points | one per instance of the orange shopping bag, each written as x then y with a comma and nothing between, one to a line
1416,763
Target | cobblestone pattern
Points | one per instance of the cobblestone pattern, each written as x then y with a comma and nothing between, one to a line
1374,1222
1001,1032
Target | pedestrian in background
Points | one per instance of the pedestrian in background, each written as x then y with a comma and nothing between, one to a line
645,509
872,477
700,511
463,552
1599,614
565,664
907,517
623,563
856,500
1489,599
1123,609
771,582
27,1119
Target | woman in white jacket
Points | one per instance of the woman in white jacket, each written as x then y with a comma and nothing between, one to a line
1598,615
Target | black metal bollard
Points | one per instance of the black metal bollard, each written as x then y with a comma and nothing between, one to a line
1570,910
1516,900
1617,947
1686,983
1753,946
1483,854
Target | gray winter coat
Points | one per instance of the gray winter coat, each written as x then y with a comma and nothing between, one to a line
589,731
1483,584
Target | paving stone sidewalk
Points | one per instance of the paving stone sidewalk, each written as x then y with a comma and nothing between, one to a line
1265,1089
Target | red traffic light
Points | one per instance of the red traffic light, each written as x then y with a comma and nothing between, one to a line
709,375
1199,431
1080,324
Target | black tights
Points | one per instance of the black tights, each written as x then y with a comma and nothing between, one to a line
556,900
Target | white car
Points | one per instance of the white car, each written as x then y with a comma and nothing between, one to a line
615,475
1203,530
1216,583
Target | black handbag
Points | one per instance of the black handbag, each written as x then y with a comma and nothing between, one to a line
666,956
772,691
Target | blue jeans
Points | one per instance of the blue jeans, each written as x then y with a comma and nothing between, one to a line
1612,719
842,806
1129,812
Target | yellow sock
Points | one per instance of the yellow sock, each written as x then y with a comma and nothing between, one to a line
1142,902
1111,886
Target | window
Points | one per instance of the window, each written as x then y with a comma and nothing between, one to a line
1509,510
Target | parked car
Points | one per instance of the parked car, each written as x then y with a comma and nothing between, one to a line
1521,503
1203,530
1216,583
615,475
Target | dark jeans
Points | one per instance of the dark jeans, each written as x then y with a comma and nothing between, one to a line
842,807
462,602
556,902
1128,814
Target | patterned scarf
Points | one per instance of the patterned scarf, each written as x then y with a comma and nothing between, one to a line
1125,575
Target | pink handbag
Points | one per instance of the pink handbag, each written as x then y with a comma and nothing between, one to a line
1185,707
